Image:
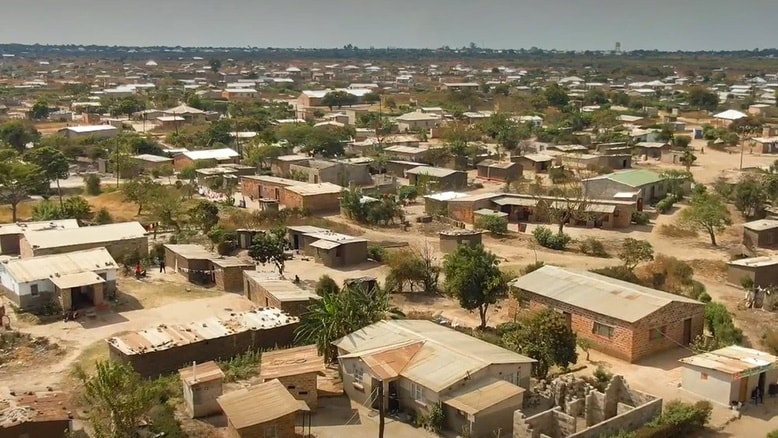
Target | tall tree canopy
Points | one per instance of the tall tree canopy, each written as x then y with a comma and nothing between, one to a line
474,278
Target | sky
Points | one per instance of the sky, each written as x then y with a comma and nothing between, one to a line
500,24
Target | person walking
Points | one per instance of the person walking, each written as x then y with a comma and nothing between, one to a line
162,265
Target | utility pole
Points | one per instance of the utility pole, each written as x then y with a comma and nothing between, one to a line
381,419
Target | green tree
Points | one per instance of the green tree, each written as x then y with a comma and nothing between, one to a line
327,141
118,399
473,276
18,180
259,156
167,208
546,337
707,212
556,95
494,224
53,163
682,141
326,286
188,173
205,215
749,196
141,191
703,99
413,267
338,99
40,110
17,134
215,64
336,315
269,248
408,193
634,251
76,208
688,158
102,217
92,184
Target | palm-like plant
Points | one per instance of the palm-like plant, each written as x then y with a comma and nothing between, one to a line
338,314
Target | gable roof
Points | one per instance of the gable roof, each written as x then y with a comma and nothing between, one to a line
183,109
48,266
597,293
731,360
633,177
429,354
258,404
730,115
435,172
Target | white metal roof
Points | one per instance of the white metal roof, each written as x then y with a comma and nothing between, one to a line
42,267
730,115
152,158
732,360
211,154
755,262
91,128
84,235
21,227
761,224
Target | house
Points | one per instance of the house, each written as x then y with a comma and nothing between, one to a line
11,234
201,266
652,150
407,153
169,122
150,163
343,173
450,240
765,145
762,233
460,86
327,247
621,319
297,369
265,187
420,364
75,279
189,114
35,414
166,348
202,385
763,271
596,162
730,375
91,131
648,185
120,239
266,410
437,178
537,163
233,94
214,156
280,166
499,170
314,198
417,121
271,291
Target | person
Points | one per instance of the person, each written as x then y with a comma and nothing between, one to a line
137,270
162,265
296,279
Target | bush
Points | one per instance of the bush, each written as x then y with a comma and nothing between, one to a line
704,298
376,252
102,217
620,272
547,239
493,224
226,247
593,247
92,183
326,286
640,218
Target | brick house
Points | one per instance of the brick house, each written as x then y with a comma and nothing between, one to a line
437,178
297,369
215,156
271,291
499,170
621,319
120,239
327,247
316,198
264,410
265,187
201,266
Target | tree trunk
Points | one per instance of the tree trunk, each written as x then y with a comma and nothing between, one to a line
59,192
13,212
482,313
712,238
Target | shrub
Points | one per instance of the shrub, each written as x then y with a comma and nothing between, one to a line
532,267
376,252
326,286
686,418
593,247
547,239
640,217
770,341
664,206
493,224
92,183
620,272
704,298
102,217
226,247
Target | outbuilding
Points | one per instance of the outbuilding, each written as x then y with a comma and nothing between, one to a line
264,410
214,156
762,233
730,375
437,178
763,271
504,171
297,369
120,239
11,234
450,240
202,384
271,291
201,266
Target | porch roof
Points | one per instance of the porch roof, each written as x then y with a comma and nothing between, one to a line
478,398
78,279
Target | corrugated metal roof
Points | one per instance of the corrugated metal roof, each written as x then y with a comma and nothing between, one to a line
200,373
77,280
42,267
85,235
436,172
21,227
732,360
755,262
512,200
388,363
446,357
33,406
211,154
597,293
273,180
634,177
282,290
258,404
164,337
325,244
315,189
761,225
291,362
491,391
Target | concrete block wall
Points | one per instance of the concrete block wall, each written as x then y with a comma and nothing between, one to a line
303,387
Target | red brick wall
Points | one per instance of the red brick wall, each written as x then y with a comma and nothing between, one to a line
253,188
181,161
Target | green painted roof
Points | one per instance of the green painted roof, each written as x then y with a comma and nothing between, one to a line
636,177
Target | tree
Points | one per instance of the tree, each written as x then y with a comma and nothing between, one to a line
126,105
545,336
17,134
494,224
102,217
702,98
474,278
682,141
337,314
408,193
92,184
118,399
167,208
688,158
634,251
76,208
749,196
18,180
215,65
707,212
326,286
269,248
205,215
338,99
327,141
141,191
413,267
259,156
556,95
53,163
40,110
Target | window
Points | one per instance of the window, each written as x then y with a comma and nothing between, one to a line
512,378
417,392
703,376
271,431
603,330
34,290
359,374
657,333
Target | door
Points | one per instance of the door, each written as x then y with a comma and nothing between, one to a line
743,395
295,241
687,331
762,378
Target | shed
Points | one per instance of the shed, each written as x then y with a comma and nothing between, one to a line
202,386
486,406
762,233
534,162
437,178
297,369
450,240
271,291
730,375
499,170
264,410
763,271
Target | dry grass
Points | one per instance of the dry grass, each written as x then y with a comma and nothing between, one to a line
671,230
135,294
95,352
114,203
23,211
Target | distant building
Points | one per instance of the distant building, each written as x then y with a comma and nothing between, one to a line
270,291
437,178
214,156
92,131
648,185
120,239
11,234
763,271
201,266
499,170
762,233
327,247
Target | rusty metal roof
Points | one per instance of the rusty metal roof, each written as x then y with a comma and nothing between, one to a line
282,290
258,404
291,362
732,360
33,406
473,399
164,337
201,373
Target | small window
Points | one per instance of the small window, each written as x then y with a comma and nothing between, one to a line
271,431
302,392
657,333
359,374
603,330
290,387
34,290
703,376
417,392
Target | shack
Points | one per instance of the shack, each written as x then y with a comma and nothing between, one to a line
297,369
763,271
201,266
264,410
451,239
271,291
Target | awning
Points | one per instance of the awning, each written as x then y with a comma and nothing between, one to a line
480,397
325,244
77,280
522,202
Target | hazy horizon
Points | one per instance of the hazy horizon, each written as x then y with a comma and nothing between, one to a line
504,24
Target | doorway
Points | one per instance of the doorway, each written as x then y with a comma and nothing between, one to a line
761,384
687,332
295,241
